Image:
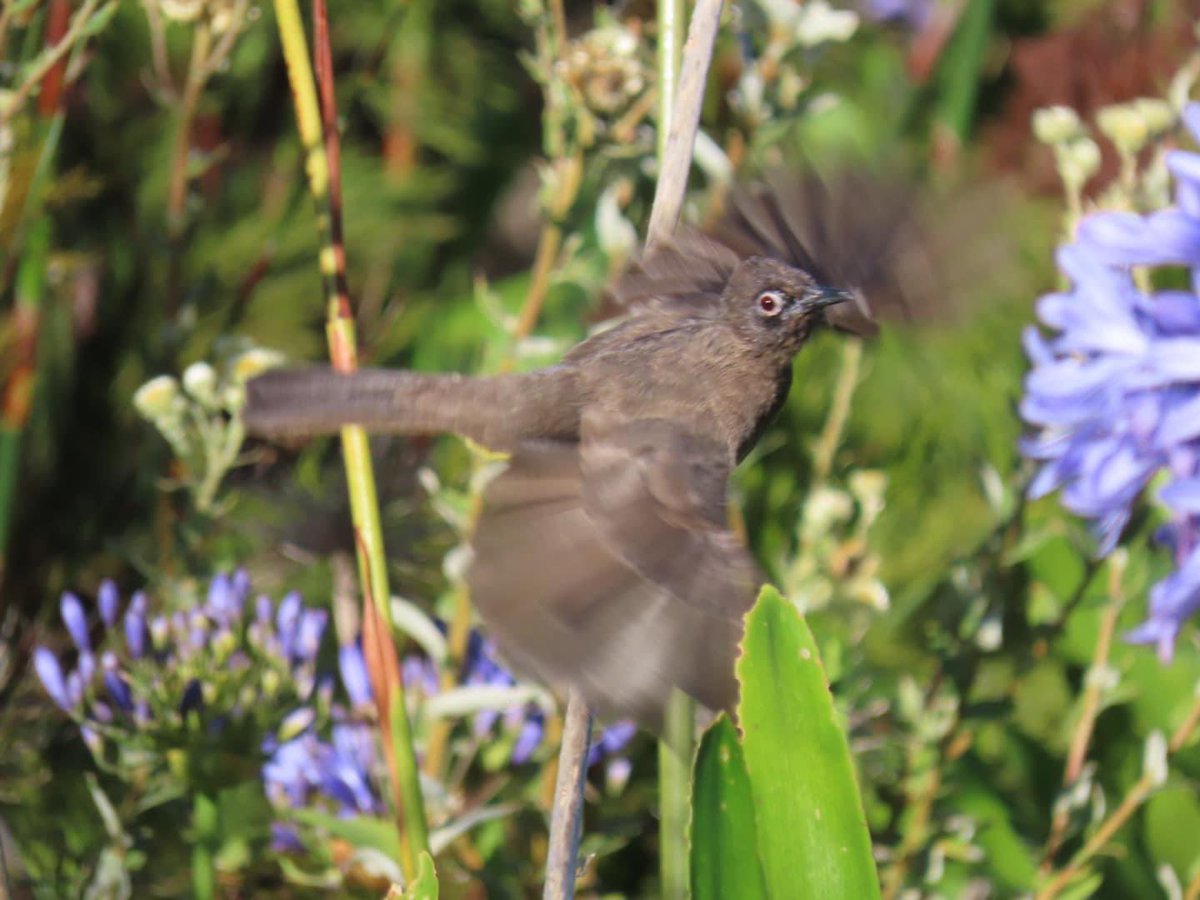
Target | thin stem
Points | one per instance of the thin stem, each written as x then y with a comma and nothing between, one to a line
920,799
676,160
1090,710
839,410
207,836
566,820
48,60
672,16
676,750
196,79
680,119
158,50
1131,803
319,139
233,28
559,17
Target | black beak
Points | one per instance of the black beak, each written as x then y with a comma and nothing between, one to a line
820,297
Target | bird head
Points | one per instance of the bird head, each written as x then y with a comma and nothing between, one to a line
776,306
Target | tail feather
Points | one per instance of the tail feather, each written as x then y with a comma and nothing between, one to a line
497,412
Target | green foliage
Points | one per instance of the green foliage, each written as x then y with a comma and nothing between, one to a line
959,625
812,837
724,854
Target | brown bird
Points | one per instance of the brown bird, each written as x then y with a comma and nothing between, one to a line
603,558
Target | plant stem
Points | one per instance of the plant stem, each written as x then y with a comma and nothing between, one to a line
839,410
207,837
676,750
47,61
672,17
1092,701
566,819
676,159
318,135
1192,891
679,119
1131,803
16,397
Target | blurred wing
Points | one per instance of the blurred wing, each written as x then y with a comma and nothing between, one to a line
689,269
857,231
607,566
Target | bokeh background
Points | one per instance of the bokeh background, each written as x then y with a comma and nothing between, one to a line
154,214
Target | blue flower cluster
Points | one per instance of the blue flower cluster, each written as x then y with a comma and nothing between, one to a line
1115,394
303,769
153,673
345,772
246,674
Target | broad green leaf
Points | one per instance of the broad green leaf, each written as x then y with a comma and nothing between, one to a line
812,834
724,842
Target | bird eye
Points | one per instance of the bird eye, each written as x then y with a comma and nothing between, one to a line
771,303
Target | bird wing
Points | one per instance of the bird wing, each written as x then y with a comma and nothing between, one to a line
606,565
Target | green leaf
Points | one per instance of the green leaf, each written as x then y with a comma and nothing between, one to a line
425,885
724,841
812,834
361,831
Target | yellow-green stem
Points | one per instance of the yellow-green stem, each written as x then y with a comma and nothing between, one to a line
676,749
359,470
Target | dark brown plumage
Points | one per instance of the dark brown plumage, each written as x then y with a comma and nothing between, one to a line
603,558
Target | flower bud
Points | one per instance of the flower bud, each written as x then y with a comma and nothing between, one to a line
160,631
221,603
1154,758
528,740
270,683
75,690
192,699
118,687
76,621
287,623
308,635
200,381
819,23
355,677
1158,115
1078,161
296,723
135,626
109,602
86,666
1057,125
182,11
50,673
223,644
159,400
1125,126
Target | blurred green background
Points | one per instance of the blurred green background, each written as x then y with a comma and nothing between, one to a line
153,215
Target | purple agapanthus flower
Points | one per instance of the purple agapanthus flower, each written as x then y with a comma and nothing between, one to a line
344,772
149,674
1115,393
909,13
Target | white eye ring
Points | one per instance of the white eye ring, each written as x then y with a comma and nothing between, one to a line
770,303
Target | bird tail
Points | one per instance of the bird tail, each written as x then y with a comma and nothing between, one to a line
497,412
